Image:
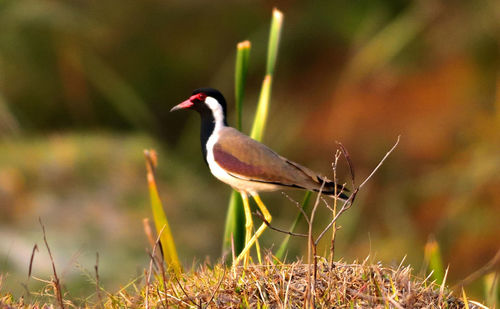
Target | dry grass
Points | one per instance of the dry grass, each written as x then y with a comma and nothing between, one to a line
284,286
270,285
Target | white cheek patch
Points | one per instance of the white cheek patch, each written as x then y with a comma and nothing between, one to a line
217,111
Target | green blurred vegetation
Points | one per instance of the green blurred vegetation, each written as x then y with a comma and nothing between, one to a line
85,86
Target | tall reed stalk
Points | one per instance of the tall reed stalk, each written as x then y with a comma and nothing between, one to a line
235,224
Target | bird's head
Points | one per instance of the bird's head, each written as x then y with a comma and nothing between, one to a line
207,102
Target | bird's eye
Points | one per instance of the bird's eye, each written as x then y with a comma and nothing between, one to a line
201,96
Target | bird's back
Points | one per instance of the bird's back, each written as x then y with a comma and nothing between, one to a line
248,159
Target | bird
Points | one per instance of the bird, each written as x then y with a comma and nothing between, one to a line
247,165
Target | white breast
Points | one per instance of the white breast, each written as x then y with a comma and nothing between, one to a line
239,184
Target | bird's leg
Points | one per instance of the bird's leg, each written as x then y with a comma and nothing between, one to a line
268,218
257,234
257,248
248,225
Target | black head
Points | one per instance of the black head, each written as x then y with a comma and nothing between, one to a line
204,101
211,106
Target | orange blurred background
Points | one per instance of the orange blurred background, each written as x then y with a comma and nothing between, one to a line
86,86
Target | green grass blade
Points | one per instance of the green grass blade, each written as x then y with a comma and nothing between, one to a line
241,68
259,122
235,222
159,216
234,226
260,119
274,40
284,244
491,289
432,255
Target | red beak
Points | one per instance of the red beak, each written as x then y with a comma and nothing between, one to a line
183,105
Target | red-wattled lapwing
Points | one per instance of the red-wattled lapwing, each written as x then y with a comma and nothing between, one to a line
245,164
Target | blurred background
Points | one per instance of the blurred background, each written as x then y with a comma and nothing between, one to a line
85,86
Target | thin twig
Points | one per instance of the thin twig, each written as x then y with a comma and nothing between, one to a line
56,281
261,217
148,277
348,203
148,231
334,210
146,298
35,248
349,161
98,290
495,261
297,204
162,269
185,293
160,298
380,163
218,285
311,252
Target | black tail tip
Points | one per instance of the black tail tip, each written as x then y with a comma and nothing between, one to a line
343,196
341,192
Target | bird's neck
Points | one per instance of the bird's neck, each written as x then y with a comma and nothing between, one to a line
209,126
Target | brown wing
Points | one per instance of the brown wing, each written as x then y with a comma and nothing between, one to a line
246,158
